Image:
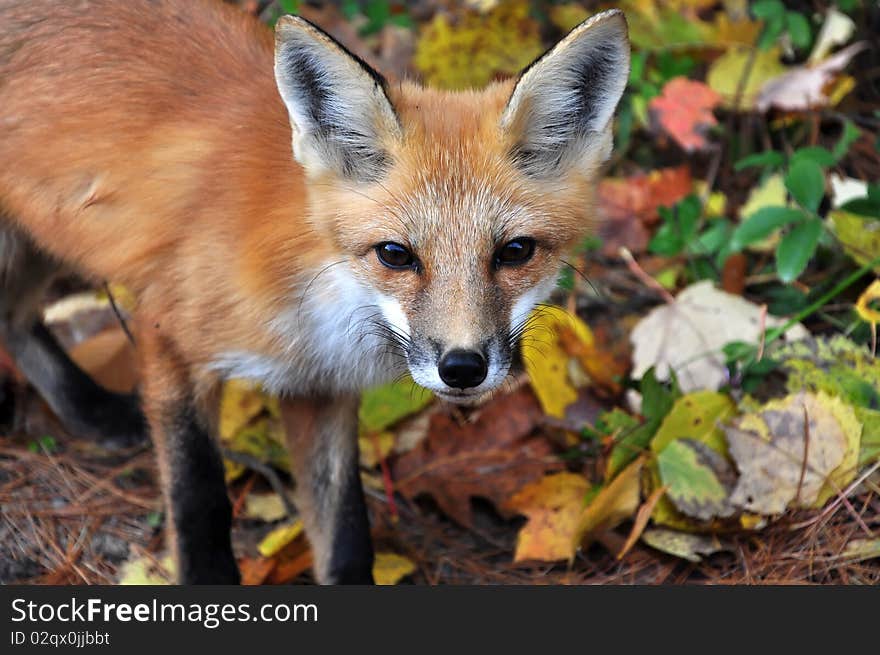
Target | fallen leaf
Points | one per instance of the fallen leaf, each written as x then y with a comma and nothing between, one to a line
391,568
840,368
785,463
278,538
146,570
629,205
383,406
255,570
642,517
684,111
691,547
553,506
687,336
615,503
109,358
859,235
803,87
863,304
265,507
490,457
546,361
859,550
375,447
474,49
241,402
837,29
698,479
728,70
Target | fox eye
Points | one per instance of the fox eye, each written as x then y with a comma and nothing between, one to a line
517,251
394,255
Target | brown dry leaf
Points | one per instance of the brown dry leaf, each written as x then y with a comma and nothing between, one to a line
796,452
491,457
803,87
614,504
684,111
255,570
641,522
629,205
552,505
109,358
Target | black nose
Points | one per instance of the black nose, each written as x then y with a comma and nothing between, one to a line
462,368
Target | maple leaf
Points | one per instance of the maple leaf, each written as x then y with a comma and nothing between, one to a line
684,111
491,457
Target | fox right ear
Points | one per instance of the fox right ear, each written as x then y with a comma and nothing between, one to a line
341,118
560,111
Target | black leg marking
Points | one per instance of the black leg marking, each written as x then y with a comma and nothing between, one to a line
200,506
351,550
113,419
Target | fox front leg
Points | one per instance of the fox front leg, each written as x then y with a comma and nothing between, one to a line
181,420
322,440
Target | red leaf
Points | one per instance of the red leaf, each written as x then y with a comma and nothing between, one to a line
684,111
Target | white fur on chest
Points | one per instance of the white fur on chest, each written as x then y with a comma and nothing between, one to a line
327,341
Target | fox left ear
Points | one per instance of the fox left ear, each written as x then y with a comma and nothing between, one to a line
341,117
560,111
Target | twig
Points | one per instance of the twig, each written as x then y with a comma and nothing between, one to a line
640,273
119,316
267,472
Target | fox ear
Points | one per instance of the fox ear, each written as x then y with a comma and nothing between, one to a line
560,111
341,118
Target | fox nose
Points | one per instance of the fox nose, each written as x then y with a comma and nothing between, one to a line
462,369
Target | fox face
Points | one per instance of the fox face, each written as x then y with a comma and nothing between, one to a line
450,213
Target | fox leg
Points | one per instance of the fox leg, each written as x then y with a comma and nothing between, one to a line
182,419
322,440
84,407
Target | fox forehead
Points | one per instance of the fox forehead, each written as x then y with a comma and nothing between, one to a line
454,178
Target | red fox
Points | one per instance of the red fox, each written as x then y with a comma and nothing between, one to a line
285,215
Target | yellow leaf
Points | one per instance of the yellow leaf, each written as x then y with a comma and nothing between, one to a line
279,538
266,507
391,568
726,72
770,193
369,444
148,571
241,402
552,505
547,361
863,306
860,237
612,505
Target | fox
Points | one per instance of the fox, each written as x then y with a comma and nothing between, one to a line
282,214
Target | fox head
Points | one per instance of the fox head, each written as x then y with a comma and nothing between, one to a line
454,210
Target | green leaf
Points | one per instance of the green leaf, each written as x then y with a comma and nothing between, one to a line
711,239
806,183
289,6
768,9
762,224
796,248
850,135
769,158
679,227
657,398
773,29
798,29
816,154
699,479
381,407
